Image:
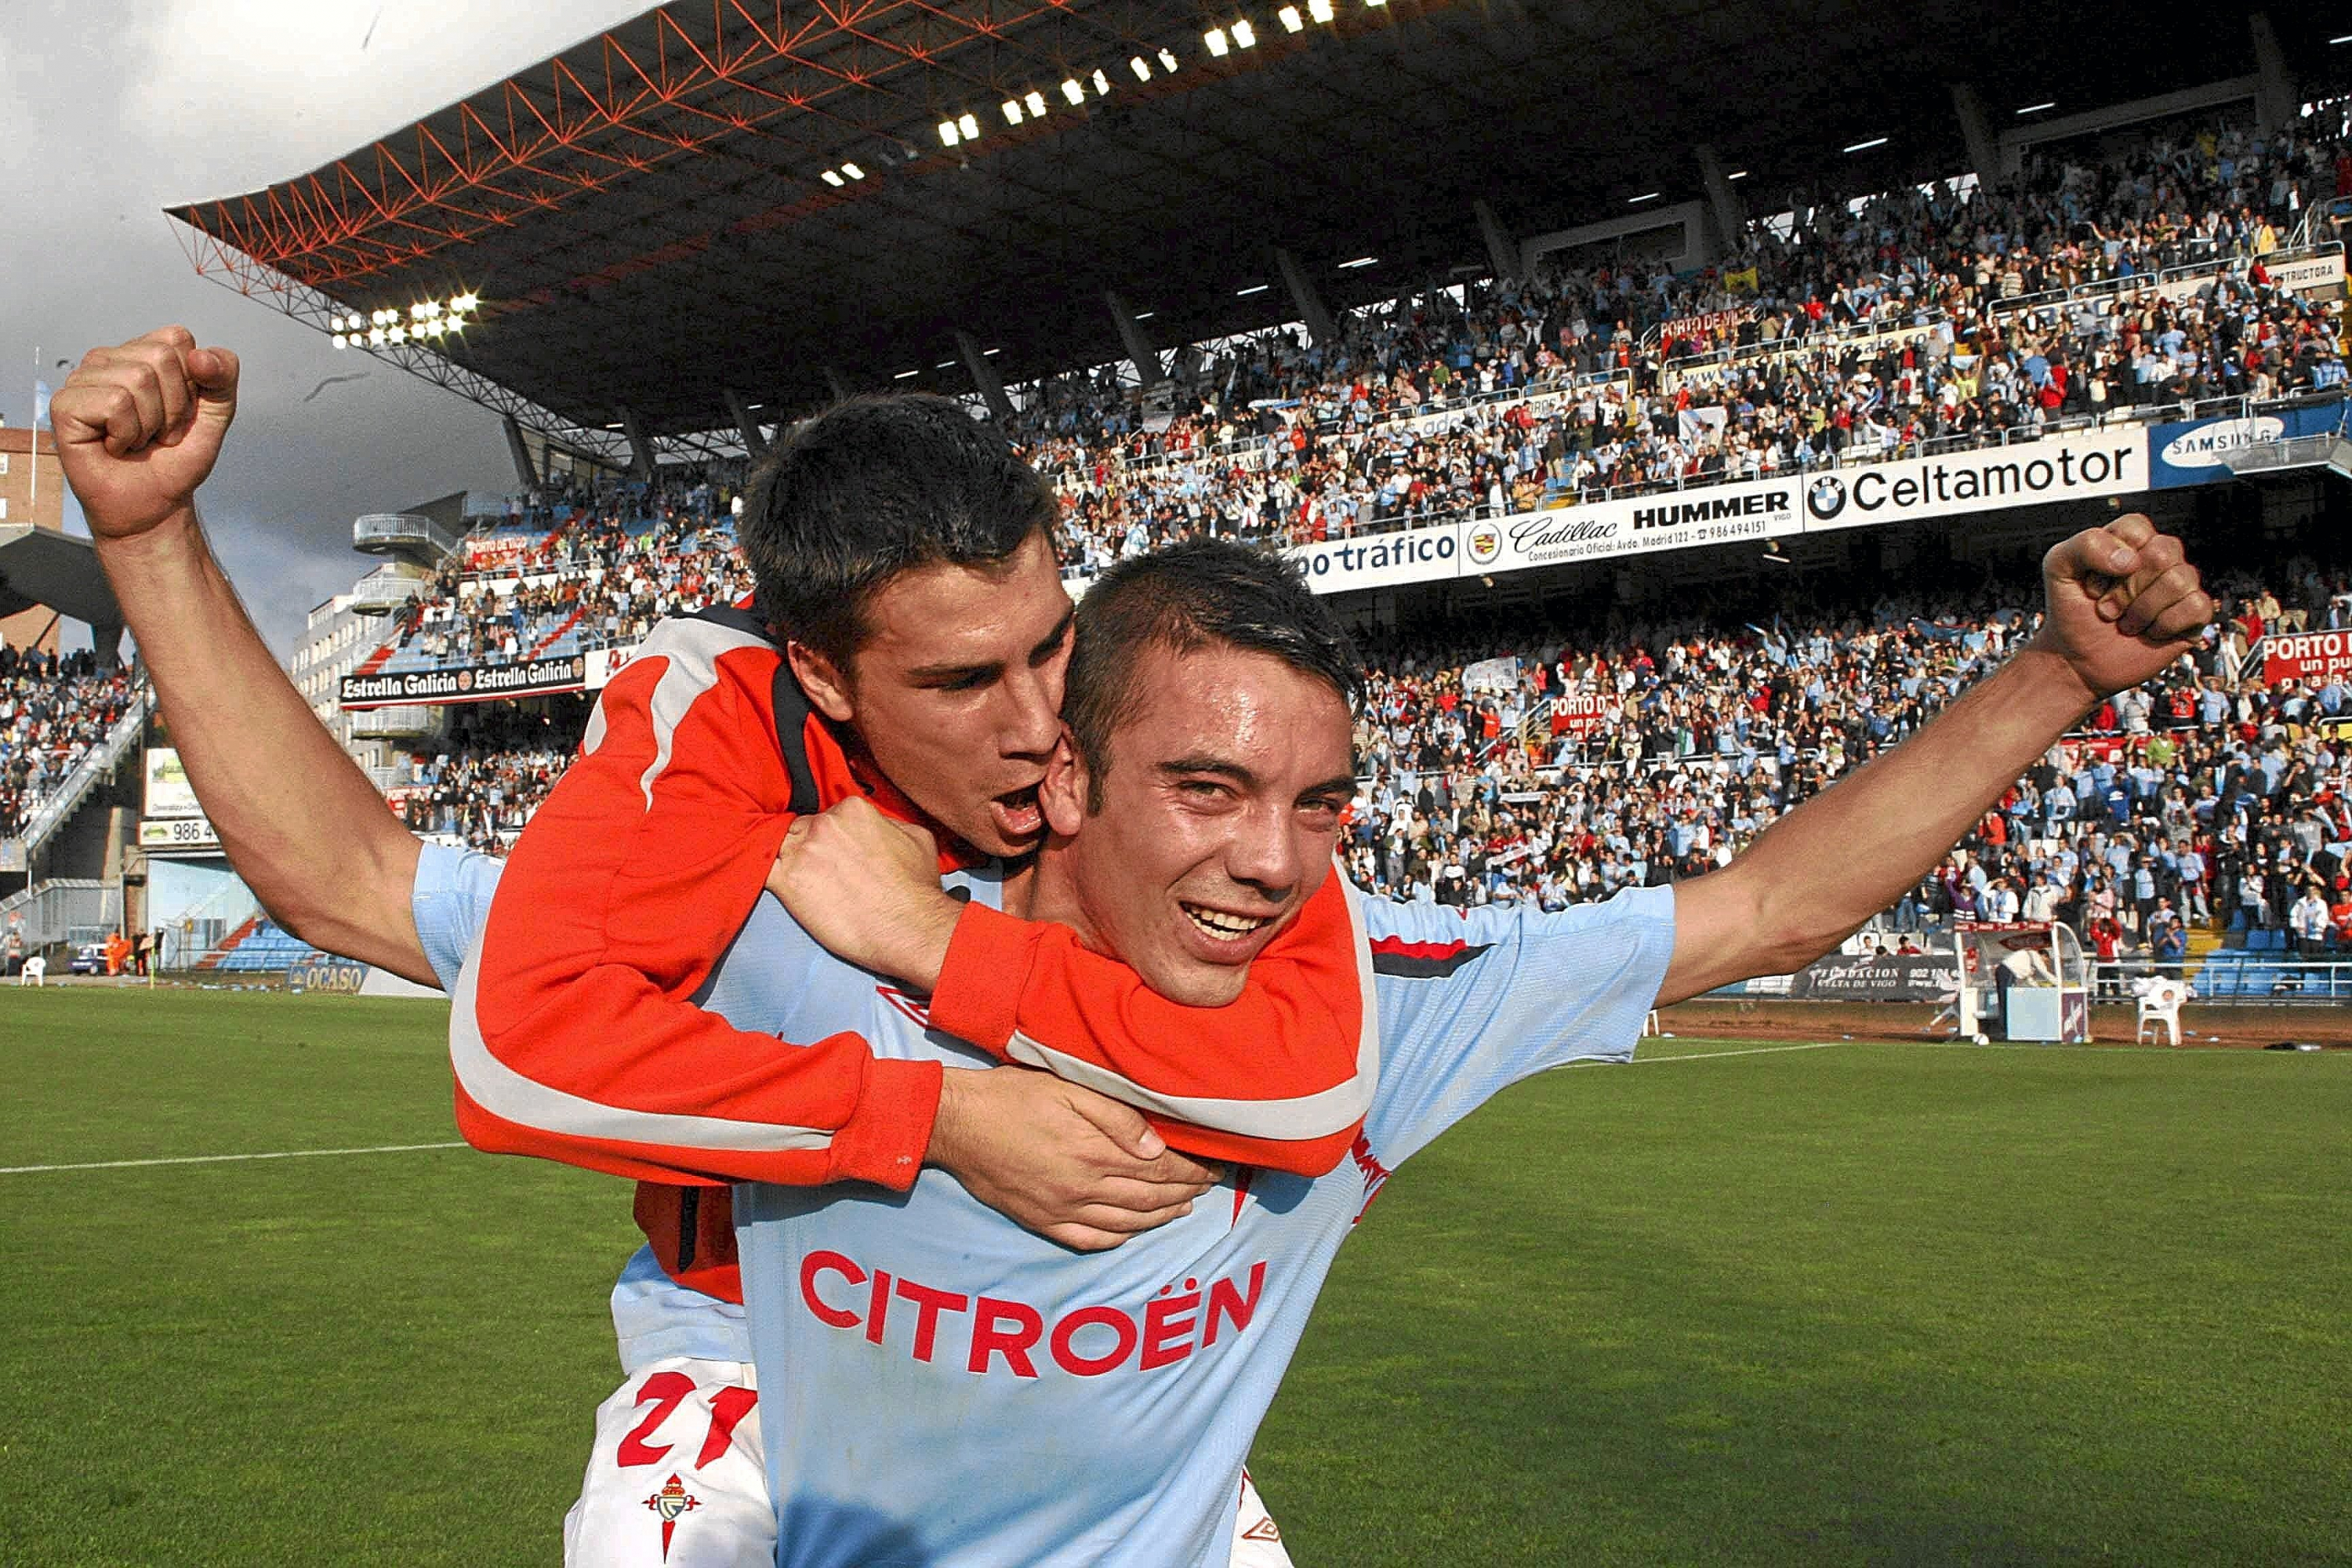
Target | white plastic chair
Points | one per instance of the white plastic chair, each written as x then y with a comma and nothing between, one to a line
2160,997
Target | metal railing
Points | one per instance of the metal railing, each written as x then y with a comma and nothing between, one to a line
2262,980
2236,263
62,912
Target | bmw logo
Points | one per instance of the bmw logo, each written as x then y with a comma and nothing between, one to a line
1486,543
1826,498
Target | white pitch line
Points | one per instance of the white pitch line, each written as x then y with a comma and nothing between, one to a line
221,1159
1707,1056
1743,1051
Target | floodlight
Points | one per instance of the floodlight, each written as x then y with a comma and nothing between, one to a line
1036,102
1215,39
1168,61
949,134
1736,174
1866,146
1142,71
1245,35
466,301
832,178
853,171
2037,107
1376,5
1012,111
398,334
375,337
1253,289
342,341
1102,84
1291,22
904,373
1321,10
1644,196
436,327
970,125
1074,92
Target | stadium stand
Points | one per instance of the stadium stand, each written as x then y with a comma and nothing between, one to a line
53,710
1557,762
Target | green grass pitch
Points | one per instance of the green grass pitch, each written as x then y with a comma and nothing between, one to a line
1861,1303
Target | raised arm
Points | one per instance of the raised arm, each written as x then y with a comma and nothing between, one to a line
139,429
2122,604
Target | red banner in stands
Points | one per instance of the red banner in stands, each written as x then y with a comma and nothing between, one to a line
2312,657
1578,713
499,553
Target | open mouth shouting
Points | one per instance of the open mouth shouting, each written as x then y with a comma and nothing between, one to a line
1017,815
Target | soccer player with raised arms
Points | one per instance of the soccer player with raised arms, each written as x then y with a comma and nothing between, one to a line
1115,1393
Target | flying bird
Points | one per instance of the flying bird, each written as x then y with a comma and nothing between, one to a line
335,380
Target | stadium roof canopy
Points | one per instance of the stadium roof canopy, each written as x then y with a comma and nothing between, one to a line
40,566
648,221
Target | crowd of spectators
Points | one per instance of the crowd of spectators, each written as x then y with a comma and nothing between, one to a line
489,774
1913,320
1563,772
53,709
1843,329
1556,766
605,570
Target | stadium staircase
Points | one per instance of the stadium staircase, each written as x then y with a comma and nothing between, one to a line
539,649
259,945
106,756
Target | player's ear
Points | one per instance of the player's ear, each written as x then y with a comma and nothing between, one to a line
1061,794
827,683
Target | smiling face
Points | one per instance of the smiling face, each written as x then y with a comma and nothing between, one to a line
1215,819
956,690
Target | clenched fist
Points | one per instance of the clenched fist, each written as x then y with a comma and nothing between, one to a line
2123,602
139,428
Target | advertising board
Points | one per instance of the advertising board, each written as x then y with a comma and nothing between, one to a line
2064,467
2314,658
2202,451
168,791
465,683
1382,560
1634,525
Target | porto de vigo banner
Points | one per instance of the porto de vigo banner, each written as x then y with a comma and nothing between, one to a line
2314,658
466,683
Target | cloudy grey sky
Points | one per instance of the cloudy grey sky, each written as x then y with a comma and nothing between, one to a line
111,110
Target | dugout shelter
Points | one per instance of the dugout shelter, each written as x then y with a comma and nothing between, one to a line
2029,979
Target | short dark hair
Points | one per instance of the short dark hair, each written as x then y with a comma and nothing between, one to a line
872,487
1202,593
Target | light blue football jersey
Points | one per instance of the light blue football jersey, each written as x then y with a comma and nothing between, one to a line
942,1389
